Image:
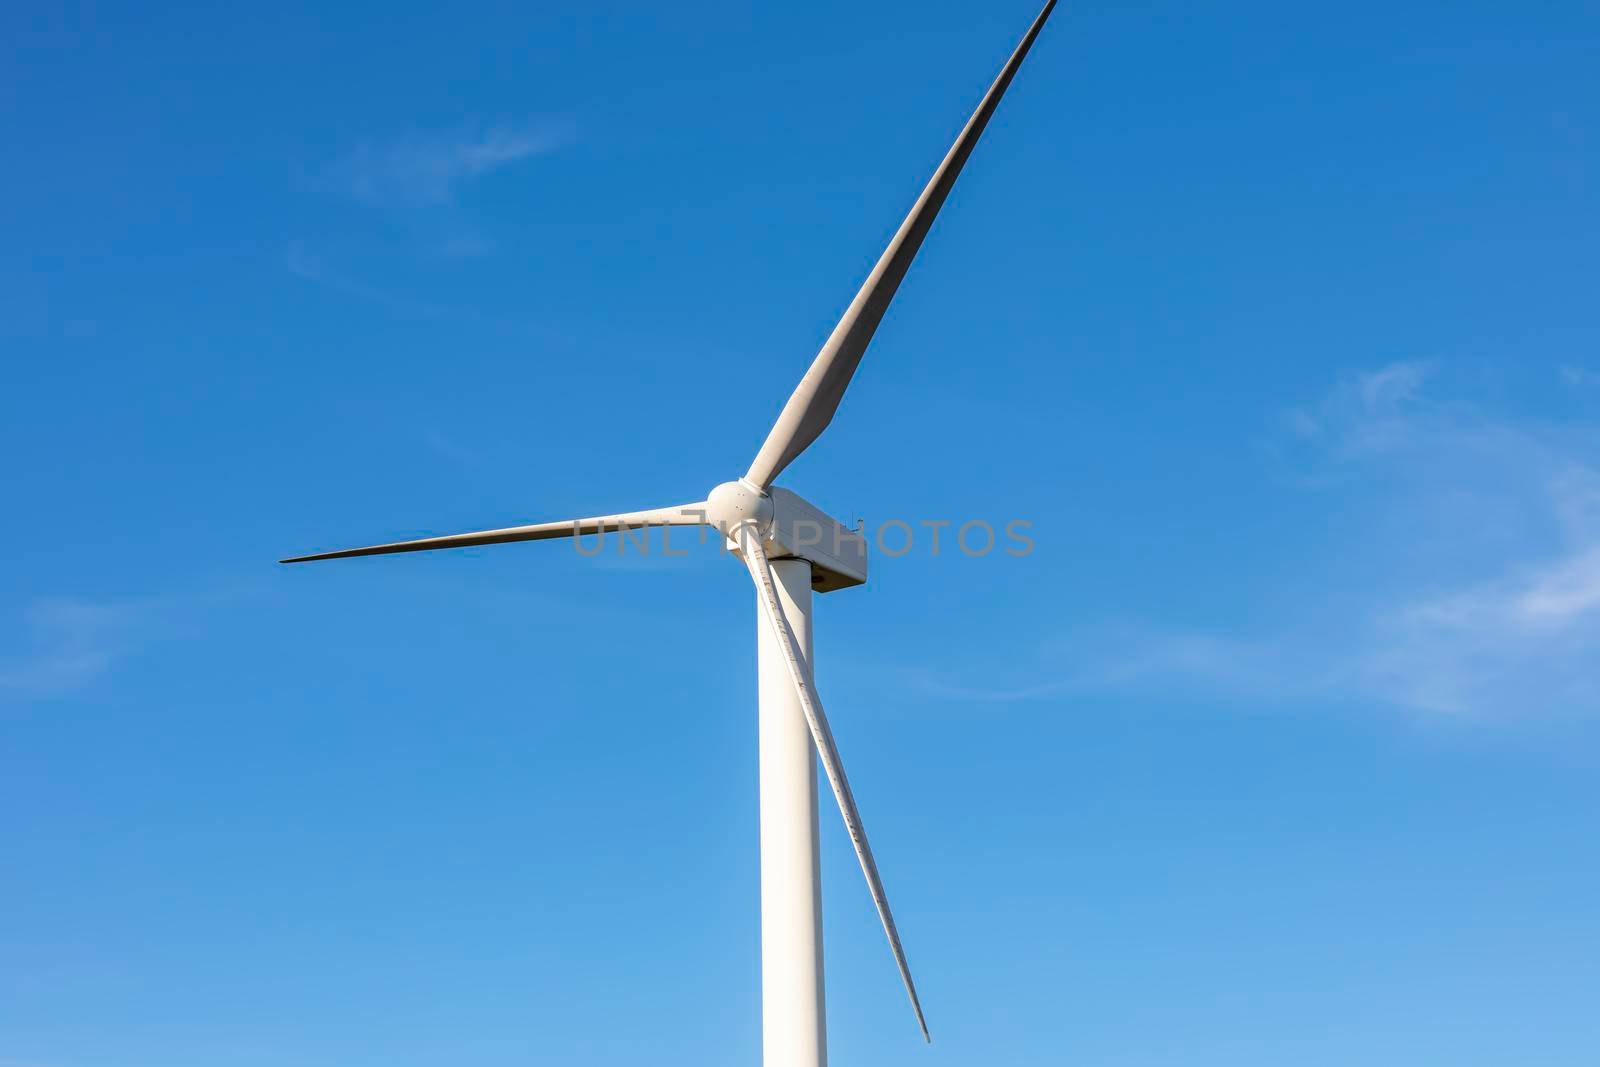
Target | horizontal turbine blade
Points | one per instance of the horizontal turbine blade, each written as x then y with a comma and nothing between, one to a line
817,397
683,515
755,558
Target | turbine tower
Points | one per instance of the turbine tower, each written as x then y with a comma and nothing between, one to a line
791,550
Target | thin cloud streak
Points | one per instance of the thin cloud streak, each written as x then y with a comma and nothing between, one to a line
429,169
1578,377
309,267
1364,416
1569,591
1125,657
1519,637
74,641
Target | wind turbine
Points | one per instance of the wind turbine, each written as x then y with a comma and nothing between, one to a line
791,549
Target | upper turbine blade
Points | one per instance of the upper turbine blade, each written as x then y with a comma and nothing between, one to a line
755,558
684,515
817,397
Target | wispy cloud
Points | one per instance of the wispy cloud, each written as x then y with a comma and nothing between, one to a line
1563,594
70,643
1368,413
311,267
1129,656
1509,646
451,449
1513,629
429,168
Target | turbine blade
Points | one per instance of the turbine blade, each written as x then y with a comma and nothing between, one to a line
817,397
755,558
684,515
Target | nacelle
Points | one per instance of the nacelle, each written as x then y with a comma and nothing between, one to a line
801,530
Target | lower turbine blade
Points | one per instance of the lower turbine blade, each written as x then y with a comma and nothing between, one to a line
755,558
685,515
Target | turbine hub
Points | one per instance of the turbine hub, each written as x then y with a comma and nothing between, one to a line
735,504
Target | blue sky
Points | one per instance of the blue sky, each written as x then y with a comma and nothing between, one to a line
1278,325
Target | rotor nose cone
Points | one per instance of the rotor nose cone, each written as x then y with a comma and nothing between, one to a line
733,504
